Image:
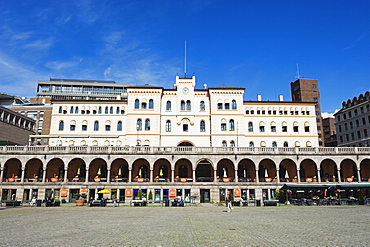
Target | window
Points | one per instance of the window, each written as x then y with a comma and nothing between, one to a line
185,127
349,114
137,104
99,111
358,135
285,144
151,104
227,106
107,127
60,109
139,124
341,138
251,144
182,107
106,110
233,104
284,128
295,128
143,105
72,127
117,110
72,110
224,143
314,99
188,105
147,124
313,86
84,127
351,125
273,127
202,106
231,125
168,106
219,106
61,126
96,126
262,128
363,121
119,126
250,127
345,126
365,132
306,128
111,110
247,112
223,126
355,112
168,126
232,144
76,111
352,136
274,145
202,126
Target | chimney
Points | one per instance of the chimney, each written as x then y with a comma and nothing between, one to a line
281,97
259,97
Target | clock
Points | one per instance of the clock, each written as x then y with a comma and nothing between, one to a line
185,90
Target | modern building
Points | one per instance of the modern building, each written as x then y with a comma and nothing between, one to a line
183,116
15,128
353,122
330,137
307,90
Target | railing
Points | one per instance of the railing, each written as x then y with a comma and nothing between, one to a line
179,150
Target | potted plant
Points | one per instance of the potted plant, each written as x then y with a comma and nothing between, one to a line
56,203
81,199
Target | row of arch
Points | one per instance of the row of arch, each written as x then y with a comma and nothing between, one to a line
202,170
84,125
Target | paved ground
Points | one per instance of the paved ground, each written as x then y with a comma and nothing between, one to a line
188,226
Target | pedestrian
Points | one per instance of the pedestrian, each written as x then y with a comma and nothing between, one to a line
114,202
229,200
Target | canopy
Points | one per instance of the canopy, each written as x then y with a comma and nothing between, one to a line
104,191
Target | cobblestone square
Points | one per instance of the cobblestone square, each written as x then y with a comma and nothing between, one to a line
202,225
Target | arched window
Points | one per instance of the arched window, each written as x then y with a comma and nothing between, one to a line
147,124
250,127
84,125
76,111
262,126
263,144
224,143
274,145
96,126
61,125
251,144
60,109
139,124
99,111
168,106
286,144
231,125
202,106
106,143
106,110
307,127
95,143
182,107
188,105
151,104
119,126
233,105
232,144
137,104
107,125
72,110
202,126
168,126
308,144
111,110
117,110
143,105
297,144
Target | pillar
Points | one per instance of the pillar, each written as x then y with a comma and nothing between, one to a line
151,175
299,176
318,176
172,175
257,177
44,175
194,178
23,171
1,174
338,174
215,176
358,175
87,175
236,176
278,175
129,175
108,176
65,175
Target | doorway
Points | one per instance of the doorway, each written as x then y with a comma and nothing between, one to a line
205,196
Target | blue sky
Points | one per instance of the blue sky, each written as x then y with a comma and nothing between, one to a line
251,44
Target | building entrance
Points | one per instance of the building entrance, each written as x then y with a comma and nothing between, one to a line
205,196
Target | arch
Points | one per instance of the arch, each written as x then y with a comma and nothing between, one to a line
182,105
168,105
308,170
328,171
250,126
183,169
151,104
267,170
348,170
12,169
119,126
247,171
204,171
96,126
288,171
185,143
61,125
162,170
137,104
168,126
202,106
98,169
202,127
140,169
55,169
225,170
33,169
233,105
188,105
365,170
119,170
147,124
76,170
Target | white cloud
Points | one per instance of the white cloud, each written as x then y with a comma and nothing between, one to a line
327,114
58,65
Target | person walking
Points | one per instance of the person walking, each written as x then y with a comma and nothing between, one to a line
229,200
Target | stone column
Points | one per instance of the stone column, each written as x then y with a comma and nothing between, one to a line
172,175
214,176
65,174
1,174
299,176
22,176
236,176
318,176
87,175
43,175
194,178
108,176
278,175
151,176
257,177
129,175
339,177
358,175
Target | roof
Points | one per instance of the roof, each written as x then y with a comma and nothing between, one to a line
223,86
